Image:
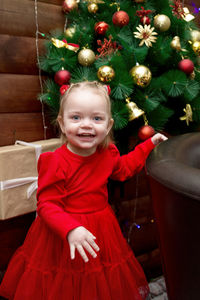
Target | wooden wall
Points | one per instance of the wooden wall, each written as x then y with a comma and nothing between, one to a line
20,111
21,118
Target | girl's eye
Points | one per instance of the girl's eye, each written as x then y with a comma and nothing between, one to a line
97,118
75,117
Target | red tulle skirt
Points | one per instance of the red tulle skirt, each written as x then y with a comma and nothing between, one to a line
41,269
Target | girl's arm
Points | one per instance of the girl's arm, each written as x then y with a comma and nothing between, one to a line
126,166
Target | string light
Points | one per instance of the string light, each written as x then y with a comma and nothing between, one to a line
38,61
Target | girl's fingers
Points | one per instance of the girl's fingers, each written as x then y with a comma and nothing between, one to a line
72,251
82,253
89,249
94,245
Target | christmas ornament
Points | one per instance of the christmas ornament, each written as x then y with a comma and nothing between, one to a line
192,75
86,57
146,35
101,27
69,5
92,8
141,75
187,15
196,47
188,114
60,44
135,112
175,43
186,65
64,88
69,32
178,9
139,1
120,18
107,47
105,73
143,14
145,132
62,77
162,22
195,35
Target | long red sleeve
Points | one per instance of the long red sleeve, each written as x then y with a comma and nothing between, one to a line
51,194
133,162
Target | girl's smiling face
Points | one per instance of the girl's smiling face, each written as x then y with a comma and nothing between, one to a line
86,121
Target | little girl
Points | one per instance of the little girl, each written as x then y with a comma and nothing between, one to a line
74,249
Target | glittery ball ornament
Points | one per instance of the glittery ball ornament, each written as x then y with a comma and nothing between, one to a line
120,18
101,27
105,73
92,8
141,75
195,35
175,43
86,57
162,22
70,31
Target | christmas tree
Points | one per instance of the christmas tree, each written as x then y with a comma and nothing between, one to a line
146,51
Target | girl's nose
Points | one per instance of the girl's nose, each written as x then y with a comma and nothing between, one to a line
86,122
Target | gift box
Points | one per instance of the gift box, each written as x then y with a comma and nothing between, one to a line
18,176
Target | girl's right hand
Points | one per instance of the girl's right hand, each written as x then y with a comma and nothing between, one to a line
81,239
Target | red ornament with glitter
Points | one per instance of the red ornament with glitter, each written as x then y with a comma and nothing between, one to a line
120,18
101,27
62,77
145,132
186,65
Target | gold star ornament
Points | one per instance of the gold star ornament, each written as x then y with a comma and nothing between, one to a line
147,35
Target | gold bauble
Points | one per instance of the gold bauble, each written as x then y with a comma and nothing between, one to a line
69,32
141,75
105,73
134,110
162,22
92,8
195,35
86,57
175,43
196,47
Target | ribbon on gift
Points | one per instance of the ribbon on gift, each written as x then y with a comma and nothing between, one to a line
12,183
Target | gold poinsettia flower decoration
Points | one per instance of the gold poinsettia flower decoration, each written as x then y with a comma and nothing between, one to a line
147,35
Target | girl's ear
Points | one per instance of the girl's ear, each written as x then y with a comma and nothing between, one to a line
110,125
60,122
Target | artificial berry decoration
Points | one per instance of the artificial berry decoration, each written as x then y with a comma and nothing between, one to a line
62,77
120,18
145,132
186,65
64,88
101,27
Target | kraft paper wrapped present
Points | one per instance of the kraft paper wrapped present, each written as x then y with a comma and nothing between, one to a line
18,176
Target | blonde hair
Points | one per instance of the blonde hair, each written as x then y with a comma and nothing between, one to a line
98,88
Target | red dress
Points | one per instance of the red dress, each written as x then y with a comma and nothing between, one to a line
72,191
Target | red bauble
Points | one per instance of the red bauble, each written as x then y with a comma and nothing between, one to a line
120,18
101,27
186,65
145,132
62,77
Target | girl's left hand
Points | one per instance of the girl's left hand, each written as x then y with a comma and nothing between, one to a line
157,138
